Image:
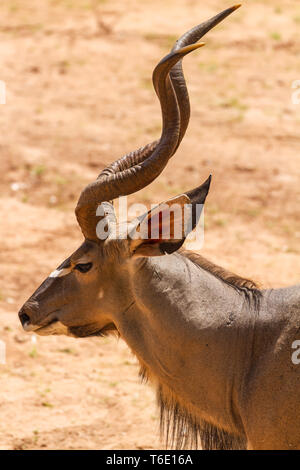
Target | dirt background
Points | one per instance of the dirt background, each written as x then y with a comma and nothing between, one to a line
79,95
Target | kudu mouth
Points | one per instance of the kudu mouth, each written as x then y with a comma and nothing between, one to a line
48,322
51,325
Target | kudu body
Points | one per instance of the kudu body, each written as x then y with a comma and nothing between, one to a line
217,349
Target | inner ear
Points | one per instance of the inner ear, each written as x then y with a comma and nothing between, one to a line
166,221
163,229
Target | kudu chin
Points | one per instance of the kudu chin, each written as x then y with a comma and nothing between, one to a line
217,348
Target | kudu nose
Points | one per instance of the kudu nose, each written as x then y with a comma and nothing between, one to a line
25,319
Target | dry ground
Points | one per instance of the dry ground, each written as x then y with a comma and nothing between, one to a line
79,94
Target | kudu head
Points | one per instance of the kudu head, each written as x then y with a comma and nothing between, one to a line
81,296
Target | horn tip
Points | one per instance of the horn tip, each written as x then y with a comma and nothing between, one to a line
190,48
235,7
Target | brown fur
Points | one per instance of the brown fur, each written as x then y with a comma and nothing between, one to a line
180,426
183,429
249,288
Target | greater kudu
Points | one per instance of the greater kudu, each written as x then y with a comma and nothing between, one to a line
217,349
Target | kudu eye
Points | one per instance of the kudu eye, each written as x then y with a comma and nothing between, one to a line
83,268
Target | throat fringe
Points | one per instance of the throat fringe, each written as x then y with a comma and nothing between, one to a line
182,430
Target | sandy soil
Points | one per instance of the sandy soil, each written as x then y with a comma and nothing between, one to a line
79,94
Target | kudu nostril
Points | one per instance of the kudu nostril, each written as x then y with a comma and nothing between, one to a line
24,318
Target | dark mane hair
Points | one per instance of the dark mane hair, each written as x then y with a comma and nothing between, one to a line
247,287
181,429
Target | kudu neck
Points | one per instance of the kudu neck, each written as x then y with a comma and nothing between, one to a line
173,327
197,336
176,303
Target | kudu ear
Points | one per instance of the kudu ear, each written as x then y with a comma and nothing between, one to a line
164,229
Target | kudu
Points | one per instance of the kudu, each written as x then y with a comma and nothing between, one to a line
217,348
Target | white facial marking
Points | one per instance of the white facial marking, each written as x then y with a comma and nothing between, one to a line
60,272
101,294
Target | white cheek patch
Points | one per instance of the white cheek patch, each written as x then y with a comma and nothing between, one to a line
60,272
